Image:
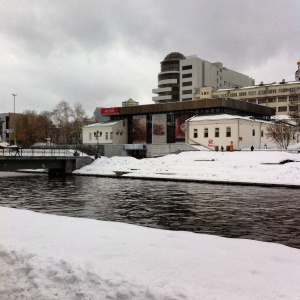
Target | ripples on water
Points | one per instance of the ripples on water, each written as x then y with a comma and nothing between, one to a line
265,214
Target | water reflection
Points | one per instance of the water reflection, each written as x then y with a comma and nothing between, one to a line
267,214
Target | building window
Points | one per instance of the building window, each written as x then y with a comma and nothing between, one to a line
262,101
195,133
106,135
242,94
111,135
282,99
282,108
90,136
206,132
262,92
282,90
188,83
293,98
253,132
187,67
293,108
252,93
186,92
262,133
228,131
217,132
187,75
272,100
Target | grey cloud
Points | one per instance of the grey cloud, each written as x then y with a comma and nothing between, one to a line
100,53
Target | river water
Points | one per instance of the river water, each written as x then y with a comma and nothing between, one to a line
259,213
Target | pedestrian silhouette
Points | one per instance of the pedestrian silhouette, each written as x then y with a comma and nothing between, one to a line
17,151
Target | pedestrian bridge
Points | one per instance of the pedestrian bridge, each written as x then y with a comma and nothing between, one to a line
55,161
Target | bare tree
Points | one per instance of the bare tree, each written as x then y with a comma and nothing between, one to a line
51,129
294,108
69,121
32,127
281,132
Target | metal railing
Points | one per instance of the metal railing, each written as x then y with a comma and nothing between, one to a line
52,152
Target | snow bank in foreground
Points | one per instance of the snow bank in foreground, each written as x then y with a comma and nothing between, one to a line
54,257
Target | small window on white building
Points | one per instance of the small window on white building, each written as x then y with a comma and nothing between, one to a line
111,135
253,132
262,133
195,133
217,132
90,136
228,131
205,132
106,135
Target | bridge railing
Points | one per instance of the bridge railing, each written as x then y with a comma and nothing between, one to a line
51,152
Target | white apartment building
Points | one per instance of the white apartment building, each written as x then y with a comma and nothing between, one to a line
218,131
182,77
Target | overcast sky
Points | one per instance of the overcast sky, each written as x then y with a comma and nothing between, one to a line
100,53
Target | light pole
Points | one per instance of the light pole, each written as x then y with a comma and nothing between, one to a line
1,132
97,134
15,117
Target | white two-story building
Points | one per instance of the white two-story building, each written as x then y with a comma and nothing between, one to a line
217,131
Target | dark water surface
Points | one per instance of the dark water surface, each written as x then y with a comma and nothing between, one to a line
259,213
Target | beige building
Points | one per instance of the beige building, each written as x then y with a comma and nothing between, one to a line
283,96
216,131
129,102
105,133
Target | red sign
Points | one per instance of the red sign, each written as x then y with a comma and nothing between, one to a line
210,143
112,111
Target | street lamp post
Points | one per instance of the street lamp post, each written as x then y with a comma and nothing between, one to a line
97,134
1,132
15,118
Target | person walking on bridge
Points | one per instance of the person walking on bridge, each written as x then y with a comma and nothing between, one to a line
17,151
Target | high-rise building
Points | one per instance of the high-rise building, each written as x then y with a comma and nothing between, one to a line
181,78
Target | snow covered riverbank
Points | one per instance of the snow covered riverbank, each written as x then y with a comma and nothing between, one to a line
244,166
54,257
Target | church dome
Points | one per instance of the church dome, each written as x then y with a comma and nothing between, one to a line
174,56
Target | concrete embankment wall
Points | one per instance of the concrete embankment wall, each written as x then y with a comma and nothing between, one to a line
152,150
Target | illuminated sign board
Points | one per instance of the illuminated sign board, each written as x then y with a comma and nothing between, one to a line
112,111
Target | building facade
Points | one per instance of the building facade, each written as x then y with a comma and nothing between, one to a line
7,124
297,73
182,77
106,133
130,102
165,123
283,96
220,131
